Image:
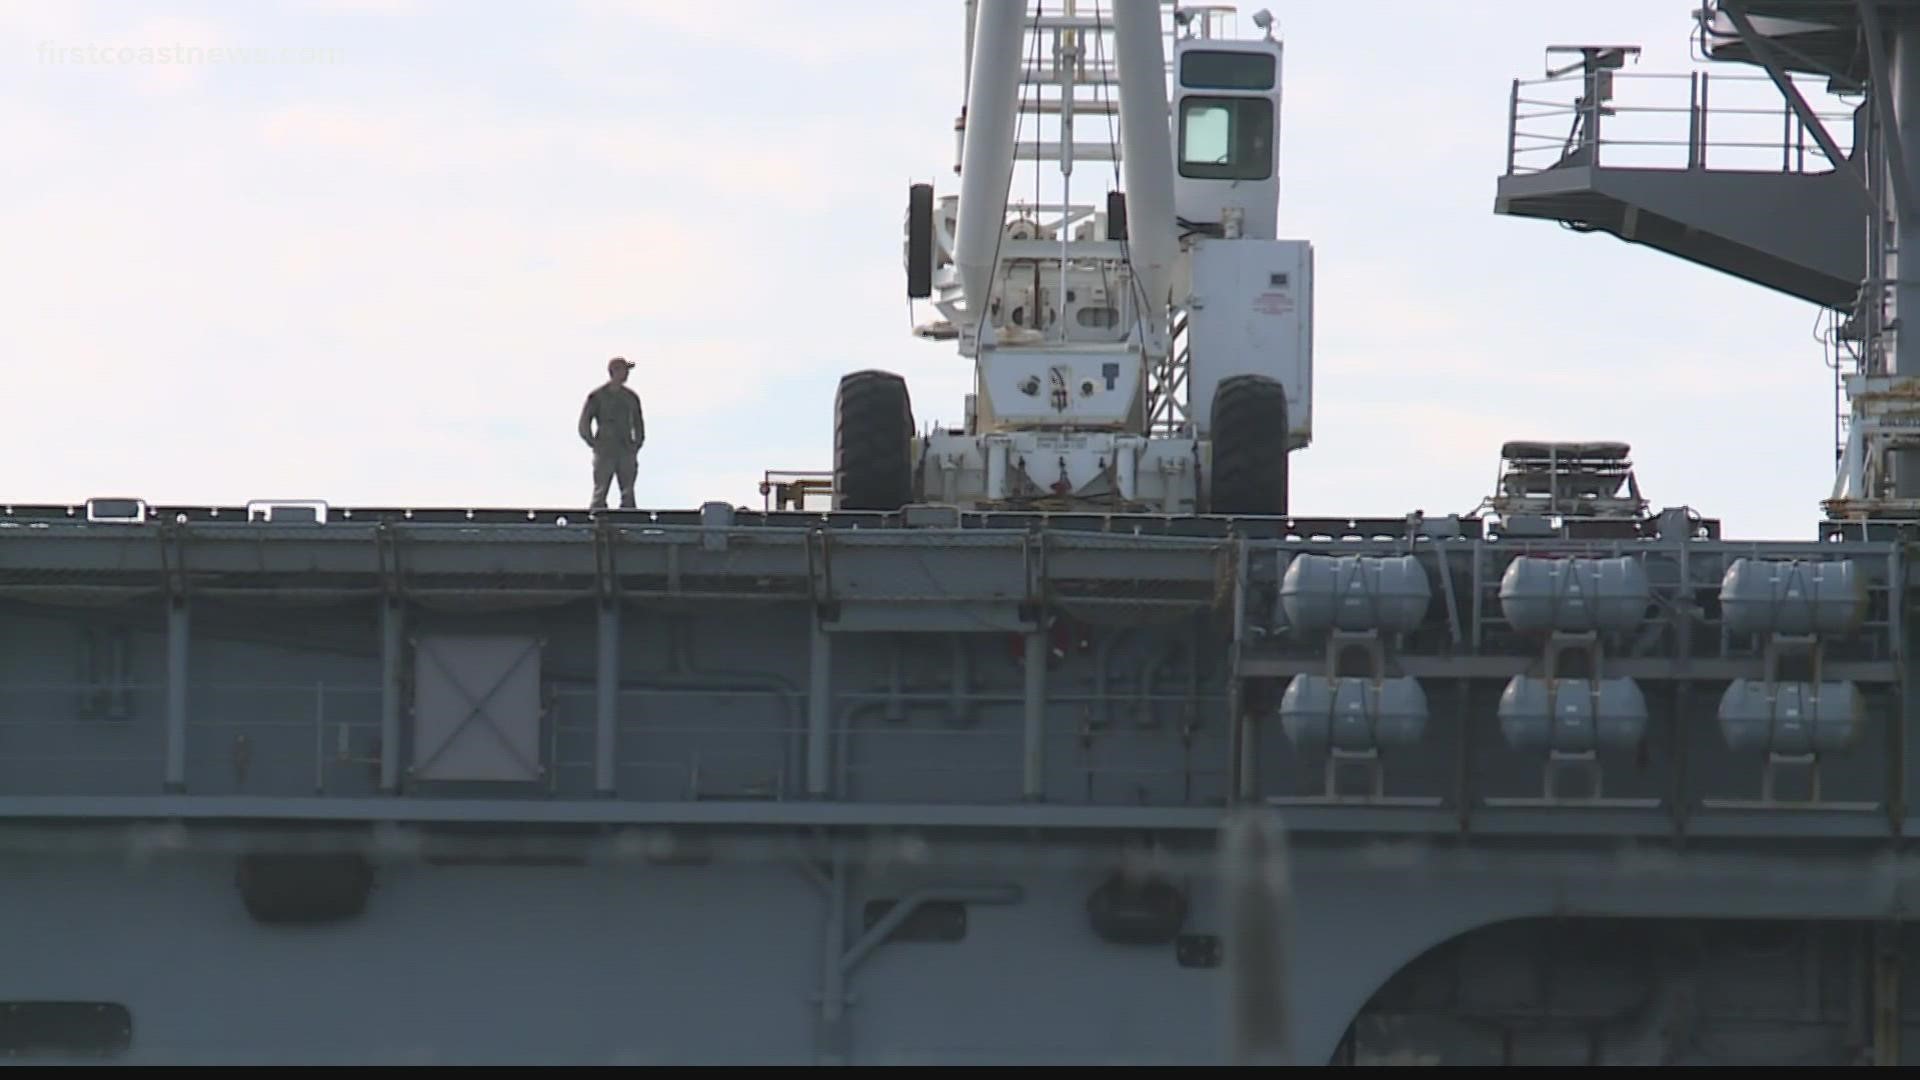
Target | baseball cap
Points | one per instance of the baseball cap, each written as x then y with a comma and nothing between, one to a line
619,362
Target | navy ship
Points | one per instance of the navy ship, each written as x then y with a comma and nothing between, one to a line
1055,737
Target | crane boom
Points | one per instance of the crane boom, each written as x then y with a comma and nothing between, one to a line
1146,157
987,154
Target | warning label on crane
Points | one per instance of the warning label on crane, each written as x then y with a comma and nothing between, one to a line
1273,303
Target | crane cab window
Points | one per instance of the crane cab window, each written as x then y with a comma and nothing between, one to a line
1212,70
1226,138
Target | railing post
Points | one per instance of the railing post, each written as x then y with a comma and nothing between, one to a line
1513,123
1786,137
1593,120
1706,81
1693,120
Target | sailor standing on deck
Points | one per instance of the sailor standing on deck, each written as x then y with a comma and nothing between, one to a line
612,424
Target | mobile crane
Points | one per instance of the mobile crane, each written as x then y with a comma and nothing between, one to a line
1154,355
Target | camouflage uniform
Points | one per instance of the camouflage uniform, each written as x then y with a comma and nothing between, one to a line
612,423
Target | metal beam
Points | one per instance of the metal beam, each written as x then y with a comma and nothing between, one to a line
1033,771
606,717
830,1041
899,913
392,623
1881,75
124,815
794,814
1805,60
819,710
178,630
1696,669
1243,771
1886,993
1764,51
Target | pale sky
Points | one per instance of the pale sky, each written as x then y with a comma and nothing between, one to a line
390,279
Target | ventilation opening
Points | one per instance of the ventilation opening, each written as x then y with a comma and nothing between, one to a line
1097,318
1149,912
934,920
285,889
64,1028
1198,951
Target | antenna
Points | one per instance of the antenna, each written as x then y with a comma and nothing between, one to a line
1593,57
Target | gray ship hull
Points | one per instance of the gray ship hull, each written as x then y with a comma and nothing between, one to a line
1416,954
753,789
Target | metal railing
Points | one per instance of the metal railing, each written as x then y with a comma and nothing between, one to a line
278,738
790,489
1728,122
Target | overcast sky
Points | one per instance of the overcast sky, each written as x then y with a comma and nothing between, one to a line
389,274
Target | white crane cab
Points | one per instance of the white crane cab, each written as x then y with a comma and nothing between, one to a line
1152,354
1248,294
